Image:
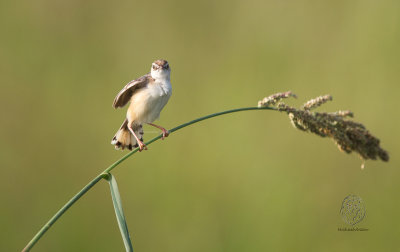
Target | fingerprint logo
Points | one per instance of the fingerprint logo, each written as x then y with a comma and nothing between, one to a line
352,210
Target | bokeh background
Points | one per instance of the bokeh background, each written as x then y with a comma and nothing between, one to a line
242,182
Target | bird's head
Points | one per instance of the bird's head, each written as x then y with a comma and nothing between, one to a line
160,69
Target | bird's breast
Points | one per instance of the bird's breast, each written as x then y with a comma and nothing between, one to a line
147,103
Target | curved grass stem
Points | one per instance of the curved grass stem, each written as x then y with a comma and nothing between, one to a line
104,174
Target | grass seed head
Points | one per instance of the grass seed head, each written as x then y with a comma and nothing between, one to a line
348,135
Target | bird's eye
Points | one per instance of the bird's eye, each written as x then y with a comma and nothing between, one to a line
154,67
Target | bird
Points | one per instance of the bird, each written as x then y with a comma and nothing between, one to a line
147,96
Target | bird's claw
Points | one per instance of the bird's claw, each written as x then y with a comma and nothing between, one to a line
142,146
165,133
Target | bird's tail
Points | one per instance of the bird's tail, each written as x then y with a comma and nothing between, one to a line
124,138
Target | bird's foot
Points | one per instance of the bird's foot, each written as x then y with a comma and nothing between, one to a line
165,133
142,146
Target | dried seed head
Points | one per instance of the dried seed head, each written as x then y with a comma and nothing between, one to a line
275,98
348,135
342,113
311,104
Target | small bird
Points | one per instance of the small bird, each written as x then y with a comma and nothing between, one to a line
148,96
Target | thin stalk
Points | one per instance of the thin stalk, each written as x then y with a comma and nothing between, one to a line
104,174
61,212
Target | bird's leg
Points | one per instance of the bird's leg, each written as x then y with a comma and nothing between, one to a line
140,143
165,132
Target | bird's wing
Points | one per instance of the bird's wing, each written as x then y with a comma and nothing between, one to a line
126,93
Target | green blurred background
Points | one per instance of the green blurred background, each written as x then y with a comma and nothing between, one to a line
242,182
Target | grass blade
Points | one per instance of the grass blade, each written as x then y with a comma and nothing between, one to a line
123,227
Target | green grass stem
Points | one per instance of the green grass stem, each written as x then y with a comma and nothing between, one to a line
104,174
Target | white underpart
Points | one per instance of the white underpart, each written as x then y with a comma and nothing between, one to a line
147,104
